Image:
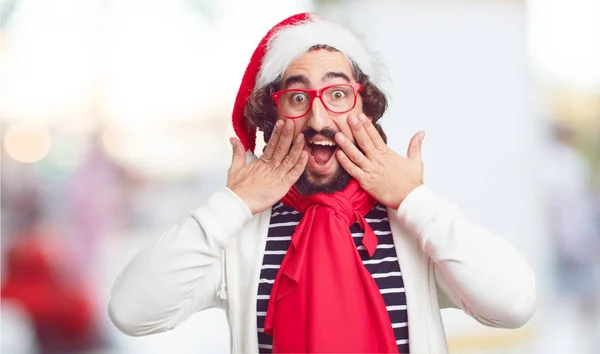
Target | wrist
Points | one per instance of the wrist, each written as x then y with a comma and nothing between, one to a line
403,195
243,198
247,200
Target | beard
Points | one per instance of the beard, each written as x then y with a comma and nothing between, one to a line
337,182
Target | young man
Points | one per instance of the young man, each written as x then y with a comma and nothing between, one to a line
329,241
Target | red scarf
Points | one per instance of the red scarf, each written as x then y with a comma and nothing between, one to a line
324,300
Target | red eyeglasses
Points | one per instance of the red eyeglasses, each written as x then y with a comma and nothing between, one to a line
296,103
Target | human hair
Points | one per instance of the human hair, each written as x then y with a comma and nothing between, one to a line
261,111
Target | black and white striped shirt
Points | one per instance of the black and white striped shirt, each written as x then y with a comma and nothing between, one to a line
383,266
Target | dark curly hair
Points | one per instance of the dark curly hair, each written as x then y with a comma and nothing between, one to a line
261,110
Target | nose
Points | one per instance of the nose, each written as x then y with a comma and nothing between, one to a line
319,118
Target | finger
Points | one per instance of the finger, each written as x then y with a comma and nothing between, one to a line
292,158
273,140
352,152
282,148
356,172
239,155
360,135
372,132
299,167
414,147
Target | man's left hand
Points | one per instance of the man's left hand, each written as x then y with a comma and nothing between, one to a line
384,174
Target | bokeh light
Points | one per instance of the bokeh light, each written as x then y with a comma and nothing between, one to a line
67,154
27,142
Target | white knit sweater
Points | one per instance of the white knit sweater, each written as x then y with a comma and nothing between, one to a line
213,259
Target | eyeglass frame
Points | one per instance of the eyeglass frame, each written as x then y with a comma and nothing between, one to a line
318,94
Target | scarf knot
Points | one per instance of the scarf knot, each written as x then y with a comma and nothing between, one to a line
339,203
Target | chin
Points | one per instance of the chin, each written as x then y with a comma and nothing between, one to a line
311,183
318,178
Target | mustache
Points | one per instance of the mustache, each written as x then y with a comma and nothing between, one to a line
328,133
309,133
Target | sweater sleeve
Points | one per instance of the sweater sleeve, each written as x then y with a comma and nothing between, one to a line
179,273
478,271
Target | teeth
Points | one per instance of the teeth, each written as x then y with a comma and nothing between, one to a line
323,143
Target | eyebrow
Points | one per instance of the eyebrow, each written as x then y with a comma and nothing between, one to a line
301,79
335,75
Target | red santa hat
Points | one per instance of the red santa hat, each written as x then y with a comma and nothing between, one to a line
285,42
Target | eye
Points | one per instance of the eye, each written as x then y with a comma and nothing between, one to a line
299,98
338,94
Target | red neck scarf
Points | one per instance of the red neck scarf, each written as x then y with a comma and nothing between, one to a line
324,300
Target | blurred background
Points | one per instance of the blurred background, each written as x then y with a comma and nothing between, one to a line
115,117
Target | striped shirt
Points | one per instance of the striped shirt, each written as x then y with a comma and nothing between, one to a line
383,266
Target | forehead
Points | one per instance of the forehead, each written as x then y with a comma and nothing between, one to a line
315,63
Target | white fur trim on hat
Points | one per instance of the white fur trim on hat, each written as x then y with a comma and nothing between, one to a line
292,41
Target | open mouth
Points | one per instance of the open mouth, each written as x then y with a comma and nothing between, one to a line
321,150
321,161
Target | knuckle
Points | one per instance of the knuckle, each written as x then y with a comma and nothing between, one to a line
280,149
264,160
294,173
291,176
263,167
288,161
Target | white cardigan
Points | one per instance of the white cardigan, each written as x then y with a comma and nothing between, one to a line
445,261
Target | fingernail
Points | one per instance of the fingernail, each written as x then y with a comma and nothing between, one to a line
352,120
232,142
362,117
340,138
422,136
288,126
278,124
299,138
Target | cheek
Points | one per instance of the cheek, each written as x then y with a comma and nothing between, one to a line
299,126
343,126
359,106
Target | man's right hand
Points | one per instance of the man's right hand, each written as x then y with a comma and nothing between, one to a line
264,181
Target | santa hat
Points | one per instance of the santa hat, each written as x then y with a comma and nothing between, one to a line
285,42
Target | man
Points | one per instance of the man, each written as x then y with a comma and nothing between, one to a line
329,241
